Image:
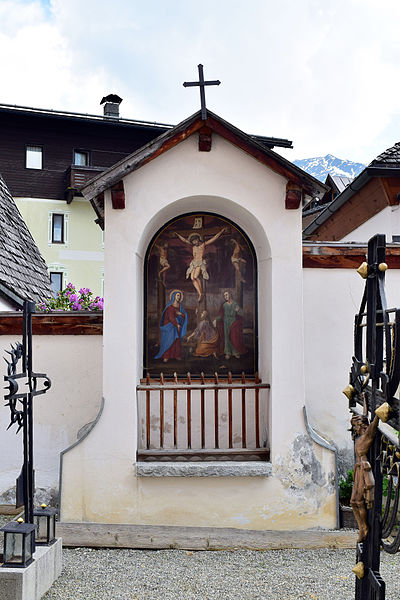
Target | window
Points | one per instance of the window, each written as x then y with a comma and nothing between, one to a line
57,229
396,239
56,282
81,158
34,157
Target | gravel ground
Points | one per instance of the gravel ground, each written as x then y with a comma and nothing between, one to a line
91,574
238,575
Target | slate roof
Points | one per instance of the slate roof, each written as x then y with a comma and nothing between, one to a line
23,271
340,182
388,158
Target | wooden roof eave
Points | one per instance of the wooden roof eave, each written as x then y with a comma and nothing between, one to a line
355,186
171,138
266,156
114,174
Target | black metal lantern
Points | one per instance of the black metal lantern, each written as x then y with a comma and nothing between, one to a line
19,543
45,521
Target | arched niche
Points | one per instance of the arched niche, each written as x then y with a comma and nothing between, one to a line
256,232
200,298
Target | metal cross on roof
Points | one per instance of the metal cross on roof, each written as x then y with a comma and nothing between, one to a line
201,83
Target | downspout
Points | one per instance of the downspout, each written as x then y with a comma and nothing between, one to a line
325,444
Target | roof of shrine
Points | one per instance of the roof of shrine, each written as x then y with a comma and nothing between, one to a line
95,188
23,271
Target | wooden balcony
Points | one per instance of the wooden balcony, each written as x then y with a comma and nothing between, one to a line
77,177
203,419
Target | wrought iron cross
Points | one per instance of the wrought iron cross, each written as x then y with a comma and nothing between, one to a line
22,388
201,83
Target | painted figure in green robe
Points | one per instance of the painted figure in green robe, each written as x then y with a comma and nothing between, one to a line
229,324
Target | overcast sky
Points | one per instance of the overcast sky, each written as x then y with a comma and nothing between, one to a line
323,73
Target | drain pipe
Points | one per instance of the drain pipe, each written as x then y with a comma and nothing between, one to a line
322,442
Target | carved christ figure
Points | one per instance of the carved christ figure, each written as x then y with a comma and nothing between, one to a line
362,496
198,265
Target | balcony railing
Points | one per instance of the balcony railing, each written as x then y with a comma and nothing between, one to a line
203,419
77,177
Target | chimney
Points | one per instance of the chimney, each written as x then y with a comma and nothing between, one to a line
111,105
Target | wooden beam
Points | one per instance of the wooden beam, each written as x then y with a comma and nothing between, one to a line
391,185
343,257
98,535
205,139
118,195
293,196
88,323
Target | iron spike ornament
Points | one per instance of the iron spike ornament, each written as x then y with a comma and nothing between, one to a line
201,84
374,381
21,388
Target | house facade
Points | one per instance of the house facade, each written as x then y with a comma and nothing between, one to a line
45,157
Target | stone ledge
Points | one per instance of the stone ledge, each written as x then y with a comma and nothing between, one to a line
32,582
204,469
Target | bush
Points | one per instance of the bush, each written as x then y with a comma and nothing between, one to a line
70,299
346,487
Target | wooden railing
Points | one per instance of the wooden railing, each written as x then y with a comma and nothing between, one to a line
200,419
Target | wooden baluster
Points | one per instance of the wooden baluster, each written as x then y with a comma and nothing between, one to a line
202,423
257,411
148,413
175,412
162,413
243,412
230,410
189,412
216,411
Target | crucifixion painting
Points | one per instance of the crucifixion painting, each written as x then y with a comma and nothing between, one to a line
200,304
198,266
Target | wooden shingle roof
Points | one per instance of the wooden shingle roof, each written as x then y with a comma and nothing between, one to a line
23,271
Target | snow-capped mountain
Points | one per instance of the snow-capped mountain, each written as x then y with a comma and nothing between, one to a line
320,166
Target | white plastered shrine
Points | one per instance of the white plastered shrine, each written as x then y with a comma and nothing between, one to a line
101,480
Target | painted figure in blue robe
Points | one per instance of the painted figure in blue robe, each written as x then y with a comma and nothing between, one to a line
173,325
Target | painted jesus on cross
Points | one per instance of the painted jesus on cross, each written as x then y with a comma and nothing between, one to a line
198,265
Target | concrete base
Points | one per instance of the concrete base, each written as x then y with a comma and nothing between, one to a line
34,581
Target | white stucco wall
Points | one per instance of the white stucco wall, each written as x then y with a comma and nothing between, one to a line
74,365
230,183
332,297
387,221
6,306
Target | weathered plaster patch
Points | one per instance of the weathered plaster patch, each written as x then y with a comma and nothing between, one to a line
301,474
